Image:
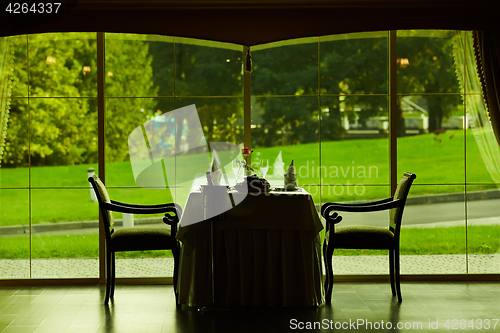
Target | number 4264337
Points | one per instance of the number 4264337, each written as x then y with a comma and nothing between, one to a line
33,8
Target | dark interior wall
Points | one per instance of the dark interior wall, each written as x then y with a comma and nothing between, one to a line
252,22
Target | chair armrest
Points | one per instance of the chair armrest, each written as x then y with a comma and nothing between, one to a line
373,207
364,204
141,209
143,206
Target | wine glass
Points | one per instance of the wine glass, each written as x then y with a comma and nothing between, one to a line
264,167
236,165
256,161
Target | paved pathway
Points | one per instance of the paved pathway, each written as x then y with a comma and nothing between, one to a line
158,267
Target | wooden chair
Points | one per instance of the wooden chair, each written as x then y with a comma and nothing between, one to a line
135,239
366,237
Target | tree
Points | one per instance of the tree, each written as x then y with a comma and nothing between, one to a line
54,120
62,113
129,81
429,70
347,69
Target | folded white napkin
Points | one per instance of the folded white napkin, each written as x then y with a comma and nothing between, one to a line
215,169
278,167
291,178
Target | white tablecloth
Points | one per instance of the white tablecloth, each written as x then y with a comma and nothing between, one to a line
267,252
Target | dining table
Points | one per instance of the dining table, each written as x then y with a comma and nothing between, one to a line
265,249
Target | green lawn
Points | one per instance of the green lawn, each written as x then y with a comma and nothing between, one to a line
414,241
63,246
435,160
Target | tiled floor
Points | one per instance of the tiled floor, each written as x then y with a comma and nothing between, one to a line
152,309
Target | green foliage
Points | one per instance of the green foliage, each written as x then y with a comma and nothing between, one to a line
129,74
208,72
295,87
61,118
431,70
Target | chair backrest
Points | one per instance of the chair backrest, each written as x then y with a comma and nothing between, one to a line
401,193
102,197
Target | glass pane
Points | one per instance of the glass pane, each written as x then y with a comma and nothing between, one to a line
17,49
426,63
63,65
286,69
433,236
483,229
286,129
354,140
355,193
14,170
65,241
208,68
221,118
63,140
483,152
14,234
435,157
139,65
123,115
354,63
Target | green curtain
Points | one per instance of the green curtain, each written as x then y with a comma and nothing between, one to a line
487,54
475,105
5,90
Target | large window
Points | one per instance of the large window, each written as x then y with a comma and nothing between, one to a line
322,102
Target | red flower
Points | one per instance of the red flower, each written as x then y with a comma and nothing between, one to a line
246,151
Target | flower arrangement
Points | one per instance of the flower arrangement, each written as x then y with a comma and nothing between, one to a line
246,152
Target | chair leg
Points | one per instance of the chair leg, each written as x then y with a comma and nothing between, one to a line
326,270
175,252
329,274
113,276
392,271
397,269
108,276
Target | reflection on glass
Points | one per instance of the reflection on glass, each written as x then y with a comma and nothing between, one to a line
123,115
221,118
